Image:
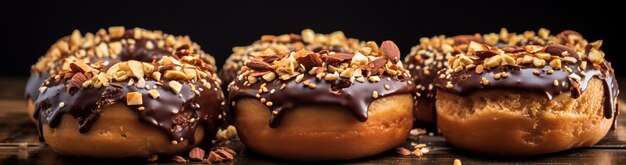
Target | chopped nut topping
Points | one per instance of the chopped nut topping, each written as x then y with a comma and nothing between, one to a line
134,98
299,78
61,104
484,81
504,75
115,31
175,75
156,76
374,79
479,69
149,45
493,61
136,68
595,56
375,94
556,83
575,77
496,76
538,62
449,85
42,89
418,153
403,151
391,51
570,59
196,154
269,76
154,94
79,66
331,77
544,33
555,64
175,86
141,83
360,79
359,60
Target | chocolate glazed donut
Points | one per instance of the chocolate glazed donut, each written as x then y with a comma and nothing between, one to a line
543,78
176,96
319,106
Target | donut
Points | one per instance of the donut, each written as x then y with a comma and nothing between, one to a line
282,44
324,105
120,94
526,94
78,46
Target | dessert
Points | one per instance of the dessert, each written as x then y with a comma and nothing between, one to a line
324,105
526,94
128,93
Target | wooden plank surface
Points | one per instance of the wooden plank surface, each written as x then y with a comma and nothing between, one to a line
19,145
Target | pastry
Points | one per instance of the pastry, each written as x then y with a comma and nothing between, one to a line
324,105
526,94
128,93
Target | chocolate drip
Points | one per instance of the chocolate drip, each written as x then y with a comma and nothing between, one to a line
34,82
171,113
522,78
355,97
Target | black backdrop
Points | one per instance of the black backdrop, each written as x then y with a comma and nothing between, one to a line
29,27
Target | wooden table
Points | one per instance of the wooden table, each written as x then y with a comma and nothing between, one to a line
19,144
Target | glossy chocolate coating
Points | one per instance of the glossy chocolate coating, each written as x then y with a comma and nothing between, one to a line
171,113
355,97
522,78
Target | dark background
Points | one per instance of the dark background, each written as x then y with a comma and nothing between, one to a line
29,27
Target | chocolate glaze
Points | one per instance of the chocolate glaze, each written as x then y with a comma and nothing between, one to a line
355,97
170,112
35,81
522,78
